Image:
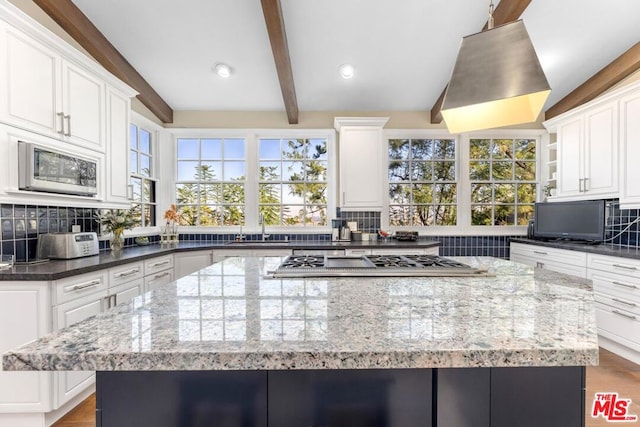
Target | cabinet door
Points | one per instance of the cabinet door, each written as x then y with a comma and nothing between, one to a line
158,279
118,108
361,170
24,316
29,74
630,151
601,152
190,262
570,158
83,107
124,293
71,383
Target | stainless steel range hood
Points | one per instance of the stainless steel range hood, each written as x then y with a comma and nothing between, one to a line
373,266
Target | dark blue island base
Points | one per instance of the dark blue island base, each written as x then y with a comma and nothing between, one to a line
454,397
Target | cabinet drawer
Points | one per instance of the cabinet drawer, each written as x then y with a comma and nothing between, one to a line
543,254
124,293
125,273
618,303
625,266
158,264
618,325
356,252
71,288
158,279
616,285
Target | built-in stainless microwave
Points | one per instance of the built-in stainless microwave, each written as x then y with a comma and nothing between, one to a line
45,169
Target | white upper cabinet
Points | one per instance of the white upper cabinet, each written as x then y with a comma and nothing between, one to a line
118,117
362,162
49,95
587,152
630,147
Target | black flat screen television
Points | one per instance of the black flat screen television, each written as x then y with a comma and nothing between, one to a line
581,220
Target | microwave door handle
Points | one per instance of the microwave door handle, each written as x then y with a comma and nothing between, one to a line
61,115
68,117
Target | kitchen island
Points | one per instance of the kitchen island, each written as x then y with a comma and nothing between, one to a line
228,345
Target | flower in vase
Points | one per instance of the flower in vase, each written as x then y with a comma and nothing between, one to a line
116,221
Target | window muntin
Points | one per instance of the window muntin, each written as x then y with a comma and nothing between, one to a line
211,179
502,175
292,181
141,174
422,182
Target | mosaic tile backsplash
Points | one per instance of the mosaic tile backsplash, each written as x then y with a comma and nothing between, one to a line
620,228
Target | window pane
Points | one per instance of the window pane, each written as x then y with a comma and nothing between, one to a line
188,171
209,171
271,214
399,215
187,193
480,171
444,171
318,149
188,149
505,215
234,171
398,171
233,193
292,214
145,165
399,193
445,193
315,193
234,149
422,193
145,141
133,137
502,171
233,215
502,149
525,171
293,149
444,149
479,148
189,214
269,149
270,193
422,215
148,191
525,213
526,193
133,162
211,149
209,216
398,149
136,183
504,193
292,171
316,170
316,215
421,149
481,193
422,171
270,171
445,215
209,193
481,214
293,194
526,149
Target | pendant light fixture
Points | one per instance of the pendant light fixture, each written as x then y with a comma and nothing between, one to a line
497,80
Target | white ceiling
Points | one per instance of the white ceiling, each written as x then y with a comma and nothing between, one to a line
403,50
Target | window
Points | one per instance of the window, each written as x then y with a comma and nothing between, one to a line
210,186
502,175
144,187
422,182
292,181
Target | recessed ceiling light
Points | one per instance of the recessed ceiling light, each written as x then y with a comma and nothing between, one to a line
346,71
223,70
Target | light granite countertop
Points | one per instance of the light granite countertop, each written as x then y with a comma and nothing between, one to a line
228,316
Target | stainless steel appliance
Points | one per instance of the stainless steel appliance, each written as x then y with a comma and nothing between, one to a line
52,171
374,266
339,231
67,245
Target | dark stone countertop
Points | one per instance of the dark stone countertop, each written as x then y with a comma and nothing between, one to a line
58,269
600,249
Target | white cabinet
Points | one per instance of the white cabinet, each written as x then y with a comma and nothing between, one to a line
616,286
118,118
158,271
362,162
48,94
190,262
587,153
630,151
559,260
25,315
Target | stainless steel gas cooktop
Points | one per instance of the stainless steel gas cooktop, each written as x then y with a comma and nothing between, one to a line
373,266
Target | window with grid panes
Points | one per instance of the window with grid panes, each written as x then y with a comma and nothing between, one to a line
502,176
422,182
141,174
210,182
293,181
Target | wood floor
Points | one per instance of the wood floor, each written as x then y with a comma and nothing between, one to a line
614,374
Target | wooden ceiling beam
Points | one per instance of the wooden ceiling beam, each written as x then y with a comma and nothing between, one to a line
78,26
272,11
620,68
506,11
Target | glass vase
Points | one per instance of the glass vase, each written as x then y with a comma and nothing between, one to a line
117,240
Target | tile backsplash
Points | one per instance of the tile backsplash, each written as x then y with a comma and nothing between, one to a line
620,226
21,224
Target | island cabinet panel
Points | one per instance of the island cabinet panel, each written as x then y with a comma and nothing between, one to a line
463,397
181,398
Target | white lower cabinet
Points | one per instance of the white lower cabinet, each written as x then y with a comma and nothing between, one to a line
190,262
158,271
559,260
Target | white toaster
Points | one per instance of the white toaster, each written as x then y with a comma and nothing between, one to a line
67,245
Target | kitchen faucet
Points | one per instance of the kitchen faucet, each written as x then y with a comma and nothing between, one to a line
264,236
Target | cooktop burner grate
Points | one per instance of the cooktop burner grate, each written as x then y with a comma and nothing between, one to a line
303,261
